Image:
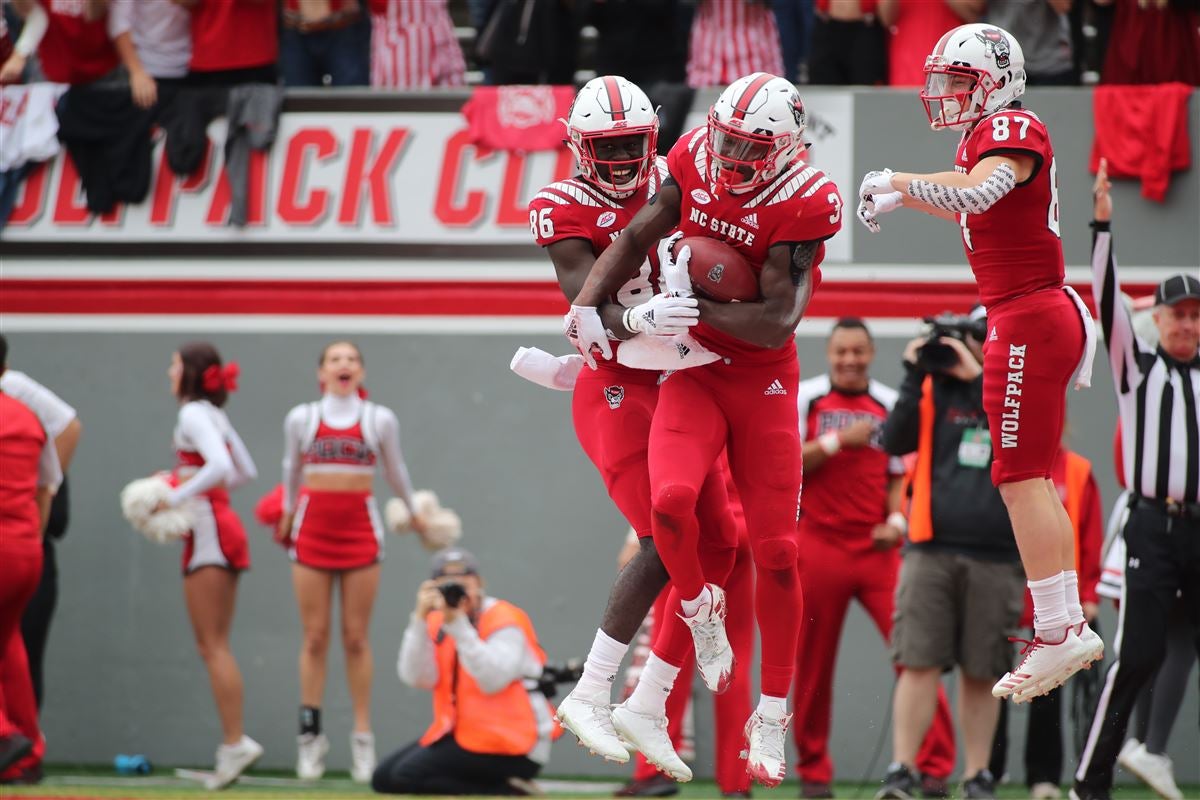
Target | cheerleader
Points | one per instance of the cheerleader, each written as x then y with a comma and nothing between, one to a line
212,460
334,535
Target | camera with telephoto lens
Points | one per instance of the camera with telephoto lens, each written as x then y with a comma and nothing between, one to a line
452,593
935,356
556,672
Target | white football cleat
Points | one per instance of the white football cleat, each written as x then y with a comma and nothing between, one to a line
1095,644
649,735
714,656
232,761
765,759
1045,666
310,756
362,757
592,725
1156,771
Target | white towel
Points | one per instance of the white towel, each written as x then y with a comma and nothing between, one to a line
662,353
1083,373
553,372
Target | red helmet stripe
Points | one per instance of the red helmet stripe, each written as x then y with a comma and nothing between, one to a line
940,49
614,99
743,104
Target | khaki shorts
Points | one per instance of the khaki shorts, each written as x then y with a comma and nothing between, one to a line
953,610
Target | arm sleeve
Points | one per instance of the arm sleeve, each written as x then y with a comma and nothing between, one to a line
244,469
198,427
49,470
1123,346
293,434
31,34
494,663
120,17
901,431
417,663
52,411
387,429
1091,542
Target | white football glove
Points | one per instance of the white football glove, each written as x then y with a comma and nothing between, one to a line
876,182
663,315
585,330
675,270
871,208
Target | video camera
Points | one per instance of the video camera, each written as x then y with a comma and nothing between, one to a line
556,672
933,356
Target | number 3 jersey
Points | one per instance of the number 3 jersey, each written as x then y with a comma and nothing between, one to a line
1014,247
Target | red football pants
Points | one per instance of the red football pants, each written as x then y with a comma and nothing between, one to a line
750,410
832,577
19,576
731,708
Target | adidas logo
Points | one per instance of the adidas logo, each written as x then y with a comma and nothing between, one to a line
751,220
682,349
775,388
993,337
649,316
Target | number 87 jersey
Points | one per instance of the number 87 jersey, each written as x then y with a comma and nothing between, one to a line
1014,247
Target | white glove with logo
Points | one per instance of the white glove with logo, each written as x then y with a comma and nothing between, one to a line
584,329
870,208
674,270
663,315
876,182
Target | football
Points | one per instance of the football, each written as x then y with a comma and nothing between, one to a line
718,271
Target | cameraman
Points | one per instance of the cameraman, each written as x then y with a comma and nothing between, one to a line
961,588
480,657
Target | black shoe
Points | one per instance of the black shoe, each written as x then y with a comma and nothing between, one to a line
30,776
13,749
898,784
737,794
658,786
934,787
815,789
1082,791
982,786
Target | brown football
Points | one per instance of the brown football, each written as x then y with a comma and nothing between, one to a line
718,271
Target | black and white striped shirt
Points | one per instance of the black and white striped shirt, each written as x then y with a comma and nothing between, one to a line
1158,396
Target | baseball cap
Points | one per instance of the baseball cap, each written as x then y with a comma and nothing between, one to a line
1176,288
453,561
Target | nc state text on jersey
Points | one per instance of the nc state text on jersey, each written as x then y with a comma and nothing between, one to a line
720,226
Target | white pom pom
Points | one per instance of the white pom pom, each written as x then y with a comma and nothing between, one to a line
426,502
443,528
397,516
138,501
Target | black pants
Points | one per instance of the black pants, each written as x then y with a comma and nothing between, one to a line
1162,559
35,622
446,768
848,53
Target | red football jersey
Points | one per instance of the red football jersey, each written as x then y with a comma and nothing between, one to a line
21,443
1014,247
848,493
802,204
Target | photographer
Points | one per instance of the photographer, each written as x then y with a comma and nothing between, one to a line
961,588
481,659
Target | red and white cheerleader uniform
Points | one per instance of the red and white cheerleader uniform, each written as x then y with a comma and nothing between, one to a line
211,460
339,530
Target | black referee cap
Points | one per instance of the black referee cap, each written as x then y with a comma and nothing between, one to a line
1176,288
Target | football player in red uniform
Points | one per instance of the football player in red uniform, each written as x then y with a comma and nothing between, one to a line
613,129
740,179
1004,196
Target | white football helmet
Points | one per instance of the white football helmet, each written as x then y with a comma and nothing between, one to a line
754,132
974,70
610,107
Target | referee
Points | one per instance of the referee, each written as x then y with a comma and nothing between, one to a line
1158,394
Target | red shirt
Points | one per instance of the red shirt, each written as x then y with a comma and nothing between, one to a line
919,24
800,205
847,495
1014,247
234,34
75,50
21,442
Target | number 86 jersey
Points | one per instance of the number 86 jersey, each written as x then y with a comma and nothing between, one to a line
1014,247
576,209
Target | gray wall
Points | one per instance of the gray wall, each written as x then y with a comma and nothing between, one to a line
123,675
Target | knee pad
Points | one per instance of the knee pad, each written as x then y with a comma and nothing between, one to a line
775,552
675,500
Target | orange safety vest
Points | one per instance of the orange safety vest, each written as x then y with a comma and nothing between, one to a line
496,724
1078,473
920,478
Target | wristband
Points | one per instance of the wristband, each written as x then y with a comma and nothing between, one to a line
830,442
627,321
898,521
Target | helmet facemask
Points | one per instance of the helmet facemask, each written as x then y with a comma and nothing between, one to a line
739,161
955,95
606,159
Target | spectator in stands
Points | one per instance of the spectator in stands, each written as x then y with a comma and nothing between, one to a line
732,38
795,20
1044,31
916,26
324,39
413,45
75,47
233,42
529,41
849,44
1154,41
154,41
480,658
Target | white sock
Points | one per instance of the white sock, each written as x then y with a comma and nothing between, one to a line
772,707
1071,597
600,669
653,687
692,607
1050,617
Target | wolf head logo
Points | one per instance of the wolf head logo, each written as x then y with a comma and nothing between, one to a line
614,395
997,45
